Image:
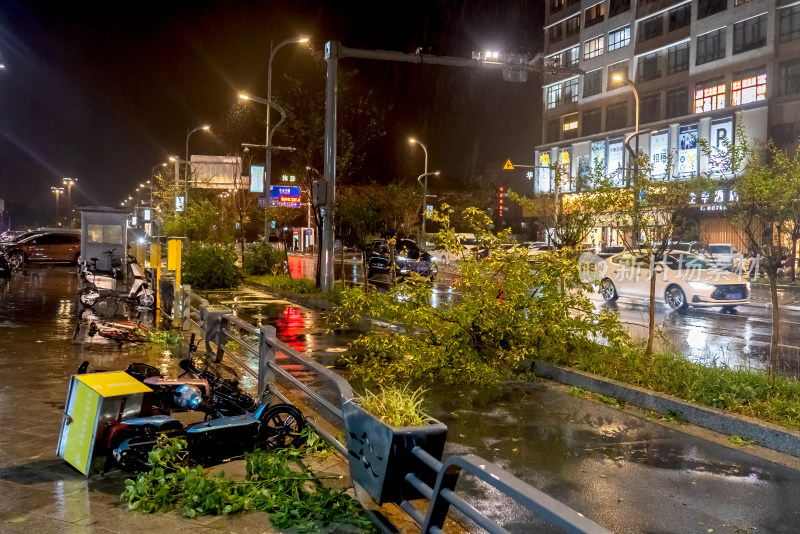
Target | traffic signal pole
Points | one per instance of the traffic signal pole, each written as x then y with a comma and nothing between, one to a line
325,195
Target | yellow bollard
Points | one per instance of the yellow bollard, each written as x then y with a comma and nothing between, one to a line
174,264
139,254
155,264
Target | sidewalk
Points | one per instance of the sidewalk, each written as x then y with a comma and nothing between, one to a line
39,492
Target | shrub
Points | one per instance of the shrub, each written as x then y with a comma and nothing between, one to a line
262,259
507,315
210,266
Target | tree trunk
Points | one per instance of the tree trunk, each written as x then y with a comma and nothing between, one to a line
365,268
651,326
774,349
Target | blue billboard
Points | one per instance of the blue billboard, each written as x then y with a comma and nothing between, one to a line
285,196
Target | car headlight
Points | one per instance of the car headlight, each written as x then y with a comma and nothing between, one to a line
400,257
701,285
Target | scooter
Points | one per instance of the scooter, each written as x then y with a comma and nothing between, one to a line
208,442
103,287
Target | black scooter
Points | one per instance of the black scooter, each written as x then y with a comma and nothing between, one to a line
234,422
209,442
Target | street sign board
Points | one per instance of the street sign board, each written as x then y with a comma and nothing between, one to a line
508,166
256,178
286,196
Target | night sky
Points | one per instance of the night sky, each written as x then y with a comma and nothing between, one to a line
103,94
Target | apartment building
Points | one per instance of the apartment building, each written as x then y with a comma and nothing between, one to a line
700,68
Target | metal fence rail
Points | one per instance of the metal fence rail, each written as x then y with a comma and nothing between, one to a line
219,326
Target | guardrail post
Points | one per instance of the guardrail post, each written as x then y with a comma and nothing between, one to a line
212,325
266,358
187,304
439,506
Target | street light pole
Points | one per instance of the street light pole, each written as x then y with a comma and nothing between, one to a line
273,51
425,194
414,141
634,155
69,182
186,183
58,191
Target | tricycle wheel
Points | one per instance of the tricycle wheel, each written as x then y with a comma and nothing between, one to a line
281,425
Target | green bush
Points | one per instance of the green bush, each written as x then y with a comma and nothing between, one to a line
262,259
210,266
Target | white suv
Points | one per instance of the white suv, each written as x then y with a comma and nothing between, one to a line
724,255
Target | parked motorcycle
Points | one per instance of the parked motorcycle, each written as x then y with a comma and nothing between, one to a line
208,442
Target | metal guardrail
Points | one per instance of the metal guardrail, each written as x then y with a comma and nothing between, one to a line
219,326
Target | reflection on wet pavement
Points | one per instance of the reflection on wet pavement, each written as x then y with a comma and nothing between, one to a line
627,473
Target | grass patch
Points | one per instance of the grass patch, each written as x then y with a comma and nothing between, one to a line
598,397
741,391
396,406
299,286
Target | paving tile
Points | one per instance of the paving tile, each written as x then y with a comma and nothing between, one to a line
16,500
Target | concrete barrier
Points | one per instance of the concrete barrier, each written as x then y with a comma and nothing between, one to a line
765,434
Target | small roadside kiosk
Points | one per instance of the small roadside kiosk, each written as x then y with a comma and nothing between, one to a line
103,229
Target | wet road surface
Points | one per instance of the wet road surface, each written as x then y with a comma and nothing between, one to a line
39,492
620,469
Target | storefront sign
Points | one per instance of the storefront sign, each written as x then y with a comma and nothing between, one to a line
616,153
543,184
687,150
659,148
598,153
256,178
720,137
565,169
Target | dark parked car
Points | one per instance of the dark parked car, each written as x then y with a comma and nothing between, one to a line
408,258
57,247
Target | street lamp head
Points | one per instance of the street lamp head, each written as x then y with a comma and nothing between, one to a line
303,39
244,96
617,77
412,140
206,127
173,158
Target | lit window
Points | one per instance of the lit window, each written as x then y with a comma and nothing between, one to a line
553,96
709,99
619,38
593,47
749,90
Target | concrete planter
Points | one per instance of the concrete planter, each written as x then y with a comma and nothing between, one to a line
380,455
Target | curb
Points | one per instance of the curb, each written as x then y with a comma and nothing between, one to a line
765,434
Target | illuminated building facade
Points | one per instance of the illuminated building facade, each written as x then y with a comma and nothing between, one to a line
701,68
